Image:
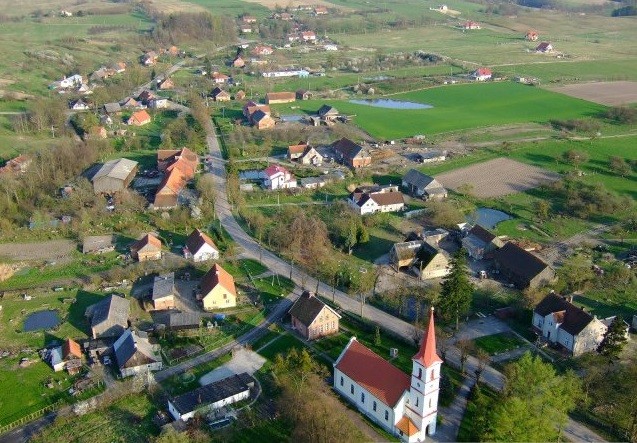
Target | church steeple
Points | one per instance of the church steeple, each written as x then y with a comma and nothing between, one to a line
427,355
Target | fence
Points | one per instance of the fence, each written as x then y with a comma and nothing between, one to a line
30,417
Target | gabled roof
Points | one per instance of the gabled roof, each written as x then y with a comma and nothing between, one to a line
217,276
71,349
387,198
407,426
427,355
112,308
327,110
407,250
573,319
111,108
544,46
481,234
163,286
172,183
483,71
307,307
420,180
280,96
273,170
297,149
139,117
521,262
212,393
133,349
147,241
197,239
183,319
119,169
347,148
382,379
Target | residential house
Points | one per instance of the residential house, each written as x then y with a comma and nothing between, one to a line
320,10
68,356
118,67
166,84
261,50
158,103
73,81
173,51
531,36
422,258
558,321
308,36
199,247
351,154
147,248
312,318
139,118
135,355
251,107
544,48
17,165
163,295
470,25
146,96
261,120
98,244
369,201
130,103
149,58
421,185
219,95
217,289
108,317
521,267
296,151
79,105
328,113
114,176
311,157
279,97
169,190
301,73
210,397
238,62
112,108
480,243
482,74
278,177
183,159
239,95
219,78
101,74
302,94
248,19
403,405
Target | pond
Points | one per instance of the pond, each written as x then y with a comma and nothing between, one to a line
390,104
488,218
41,320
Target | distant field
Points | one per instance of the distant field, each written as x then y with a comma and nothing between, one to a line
458,107
607,93
273,4
498,177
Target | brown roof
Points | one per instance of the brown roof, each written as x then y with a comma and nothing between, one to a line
482,234
149,240
384,380
71,348
307,307
297,149
174,181
280,96
407,426
573,319
197,239
387,198
519,262
347,148
217,276
139,117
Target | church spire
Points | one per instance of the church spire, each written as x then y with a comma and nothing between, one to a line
427,354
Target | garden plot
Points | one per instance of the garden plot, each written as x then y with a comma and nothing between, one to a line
604,93
497,177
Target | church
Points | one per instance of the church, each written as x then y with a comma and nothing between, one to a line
404,405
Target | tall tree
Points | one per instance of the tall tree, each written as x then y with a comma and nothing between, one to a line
614,339
455,295
534,404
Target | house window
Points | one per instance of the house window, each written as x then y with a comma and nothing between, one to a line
386,414
341,381
419,372
351,389
362,397
374,406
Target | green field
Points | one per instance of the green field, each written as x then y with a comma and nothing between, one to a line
459,107
498,343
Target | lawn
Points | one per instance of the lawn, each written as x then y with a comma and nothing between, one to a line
457,107
498,343
127,420
281,345
179,384
273,288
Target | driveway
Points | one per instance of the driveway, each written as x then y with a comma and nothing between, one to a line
243,360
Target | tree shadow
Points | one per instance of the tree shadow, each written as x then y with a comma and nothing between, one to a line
77,311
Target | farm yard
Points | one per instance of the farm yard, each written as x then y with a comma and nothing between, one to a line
604,93
496,178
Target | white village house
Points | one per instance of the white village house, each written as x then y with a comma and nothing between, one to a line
278,177
372,200
403,405
200,247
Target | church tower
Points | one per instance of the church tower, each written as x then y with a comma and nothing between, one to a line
425,383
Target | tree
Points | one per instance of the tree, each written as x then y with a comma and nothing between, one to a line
535,402
465,347
542,208
619,166
483,361
614,339
575,158
455,295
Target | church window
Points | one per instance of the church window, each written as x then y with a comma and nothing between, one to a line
416,401
419,372
433,374
430,402
351,389
362,397
374,406
386,414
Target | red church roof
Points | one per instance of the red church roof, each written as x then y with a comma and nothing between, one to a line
427,354
382,379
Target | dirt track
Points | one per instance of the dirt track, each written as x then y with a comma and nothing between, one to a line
604,93
497,177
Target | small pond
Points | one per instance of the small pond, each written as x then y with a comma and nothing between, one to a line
41,320
291,118
390,104
487,217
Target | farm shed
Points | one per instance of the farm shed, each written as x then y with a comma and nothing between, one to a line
108,317
114,176
98,244
521,267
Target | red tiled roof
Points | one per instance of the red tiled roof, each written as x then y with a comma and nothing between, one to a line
147,240
384,380
275,169
484,71
297,149
71,348
139,118
427,354
217,276
407,426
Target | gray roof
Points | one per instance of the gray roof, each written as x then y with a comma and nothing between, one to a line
113,309
183,320
407,250
111,108
163,286
327,110
94,243
312,180
119,169
133,349
212,393
422,181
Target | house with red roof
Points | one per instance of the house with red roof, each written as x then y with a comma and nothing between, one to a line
277,177
404,405
482,74
218,289
471,25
